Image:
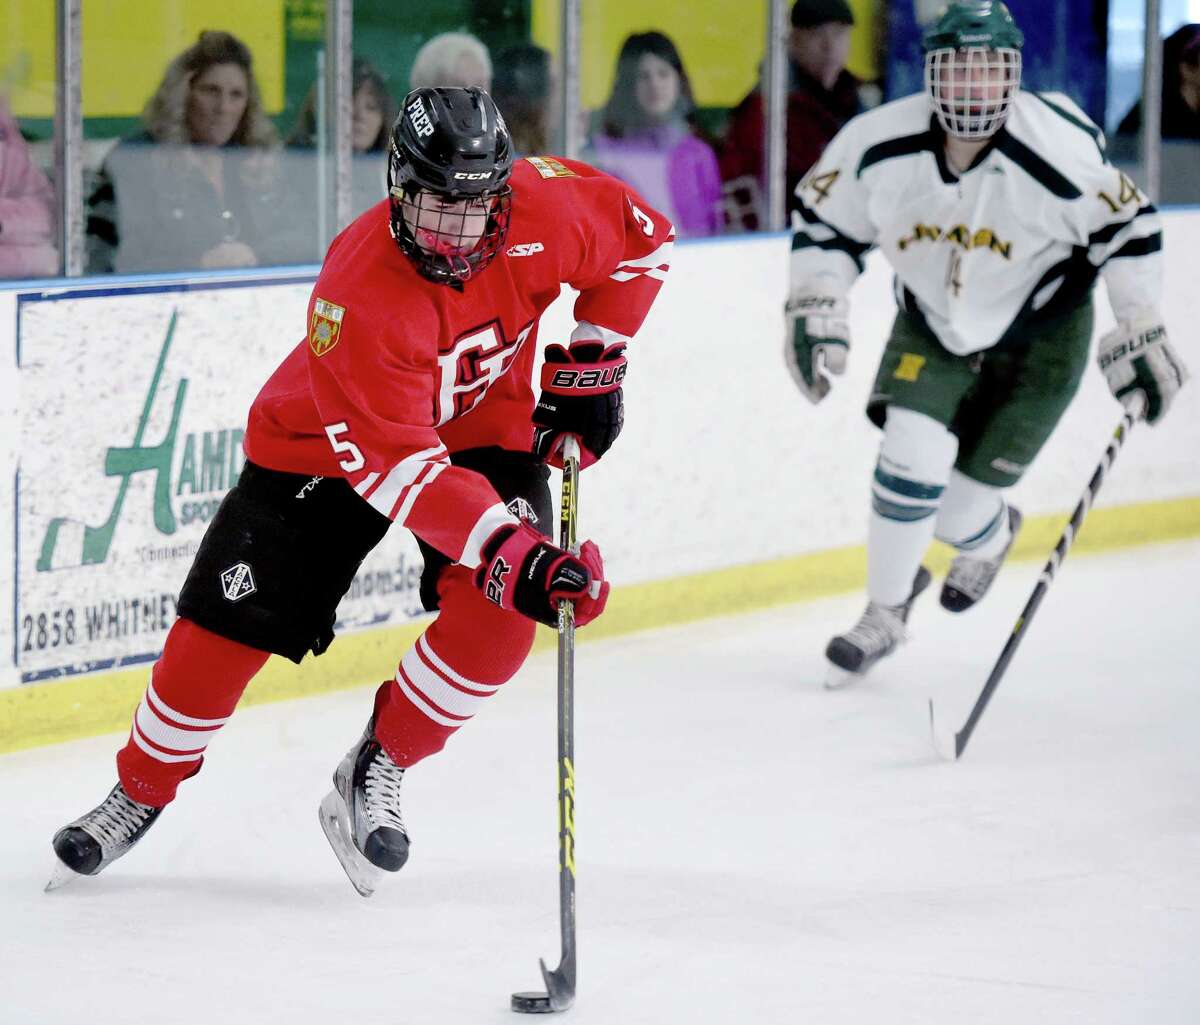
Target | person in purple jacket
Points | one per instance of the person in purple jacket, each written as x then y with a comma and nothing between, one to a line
26,208
646,137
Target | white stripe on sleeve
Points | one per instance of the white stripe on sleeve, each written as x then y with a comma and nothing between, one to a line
492,519
588,332
389,492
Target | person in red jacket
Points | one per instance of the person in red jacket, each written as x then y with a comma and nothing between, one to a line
822,97
409,401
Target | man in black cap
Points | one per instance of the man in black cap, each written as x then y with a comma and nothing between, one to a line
822,96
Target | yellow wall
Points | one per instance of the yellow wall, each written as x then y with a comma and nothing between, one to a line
127,45
862,42
721,42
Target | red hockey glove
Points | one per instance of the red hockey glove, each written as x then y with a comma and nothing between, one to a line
523,572
581,395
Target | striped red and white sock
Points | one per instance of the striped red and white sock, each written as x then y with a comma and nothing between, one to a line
194,687
468,653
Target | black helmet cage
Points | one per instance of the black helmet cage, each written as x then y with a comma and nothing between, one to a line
453,144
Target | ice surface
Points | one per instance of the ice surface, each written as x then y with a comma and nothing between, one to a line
751,847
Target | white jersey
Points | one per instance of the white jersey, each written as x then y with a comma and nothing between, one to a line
1019,236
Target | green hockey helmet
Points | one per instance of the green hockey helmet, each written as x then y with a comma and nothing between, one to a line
973,67
968,23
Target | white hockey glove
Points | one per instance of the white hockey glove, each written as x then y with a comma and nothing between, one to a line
1141,367
816,342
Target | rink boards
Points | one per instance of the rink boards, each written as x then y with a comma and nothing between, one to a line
126,401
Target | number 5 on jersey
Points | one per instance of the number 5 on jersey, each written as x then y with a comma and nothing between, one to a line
355,460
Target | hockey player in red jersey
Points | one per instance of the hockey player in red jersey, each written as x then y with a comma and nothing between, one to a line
409,400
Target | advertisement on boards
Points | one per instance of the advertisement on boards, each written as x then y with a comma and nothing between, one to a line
134,406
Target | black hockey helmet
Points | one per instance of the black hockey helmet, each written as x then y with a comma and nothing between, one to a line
448,169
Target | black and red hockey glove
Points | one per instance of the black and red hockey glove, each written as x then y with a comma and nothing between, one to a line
581,395
523,572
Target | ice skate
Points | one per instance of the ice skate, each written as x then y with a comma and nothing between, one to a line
93,842
969,578
879,631
361,814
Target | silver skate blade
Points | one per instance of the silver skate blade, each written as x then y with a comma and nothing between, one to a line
836,677
61,876
335,822
946,747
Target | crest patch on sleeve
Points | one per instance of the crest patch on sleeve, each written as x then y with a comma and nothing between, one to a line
326,326
548,167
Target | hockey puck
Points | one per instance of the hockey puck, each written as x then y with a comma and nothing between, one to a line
531,1003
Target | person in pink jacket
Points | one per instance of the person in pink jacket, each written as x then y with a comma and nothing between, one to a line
26,208
647,139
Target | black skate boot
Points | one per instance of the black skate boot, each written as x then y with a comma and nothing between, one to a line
879,631
95,841
969,578
361,814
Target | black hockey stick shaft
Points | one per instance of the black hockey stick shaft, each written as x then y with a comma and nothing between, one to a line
1021,627
560,982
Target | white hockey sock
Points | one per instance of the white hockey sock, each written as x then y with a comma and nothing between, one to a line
894,551
973,518
914,466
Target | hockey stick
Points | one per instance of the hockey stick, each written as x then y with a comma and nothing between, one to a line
560,983
963,736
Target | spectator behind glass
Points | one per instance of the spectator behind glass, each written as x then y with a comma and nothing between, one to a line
26,208
199,186
521,89
647,140
822,97
452,59
374,109
1181,88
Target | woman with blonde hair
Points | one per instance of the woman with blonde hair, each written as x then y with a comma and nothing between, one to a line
199,186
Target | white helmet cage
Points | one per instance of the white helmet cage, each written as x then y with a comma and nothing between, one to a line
972,89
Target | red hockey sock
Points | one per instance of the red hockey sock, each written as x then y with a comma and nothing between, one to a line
470,650
194,687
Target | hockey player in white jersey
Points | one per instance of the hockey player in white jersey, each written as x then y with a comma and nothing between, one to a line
997,209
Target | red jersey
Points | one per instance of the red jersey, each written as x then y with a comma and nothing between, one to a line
397,371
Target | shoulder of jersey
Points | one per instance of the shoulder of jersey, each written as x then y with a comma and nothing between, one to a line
552,172
1053,125
365,252
906,116
898,119
560,190
368,228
